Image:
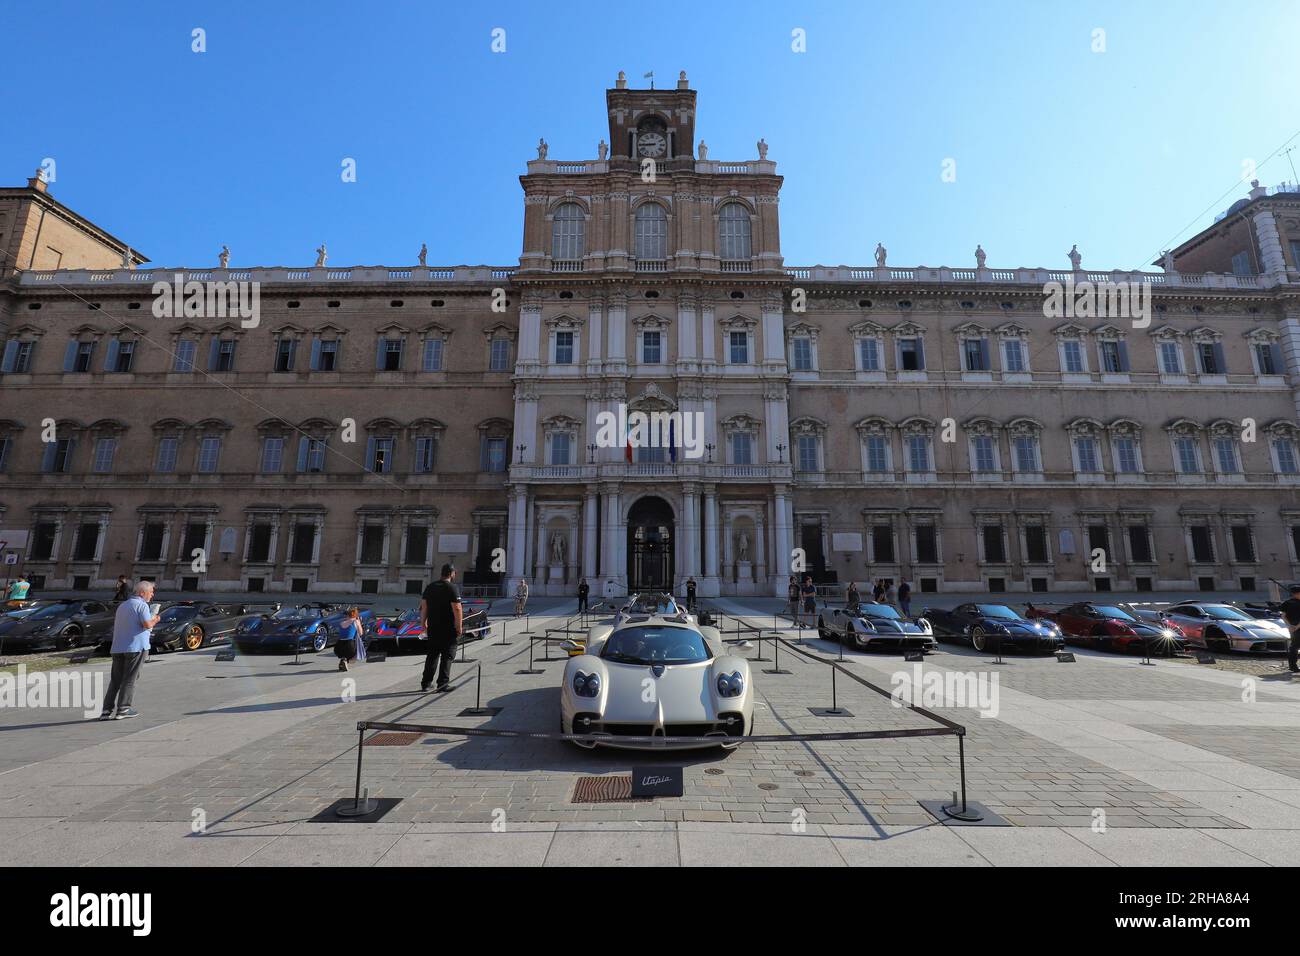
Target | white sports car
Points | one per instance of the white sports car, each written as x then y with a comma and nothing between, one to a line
876,627
656,675
1221,627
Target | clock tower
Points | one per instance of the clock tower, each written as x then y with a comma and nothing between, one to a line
651,124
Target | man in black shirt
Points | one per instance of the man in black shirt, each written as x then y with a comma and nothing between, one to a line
690,594
441,612
1291,613
583,590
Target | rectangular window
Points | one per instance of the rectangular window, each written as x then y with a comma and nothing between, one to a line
918,453
975,354
424,456
372,544
381,455
43,541
1266,359
120,356
500,356
1086,448
808,453
1139,543
1225,453
83,357
1286,458
869,354
1126,457
882,544
1013,352
389,358
1026,453
87,541
105,448
1099,539
1202,544
304,539
1241,264
651,348
17,357
151,541
927,544
495,455
911,355
1243,543
995,551
803,354
1112,357
560,444
563,348
272,455
742,449
432,360
1210,357
311,455
58,457
6,445
209,455
739,348
1036,544
222,357
259,543
1072,350
1171,358
325,355
167,448
877,453
417,543
194,539
985,459
1189,457
285,349
184,359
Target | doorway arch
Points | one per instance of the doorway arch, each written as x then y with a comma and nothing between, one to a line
651,526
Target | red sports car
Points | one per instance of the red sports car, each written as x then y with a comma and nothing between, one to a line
1112,628
405,630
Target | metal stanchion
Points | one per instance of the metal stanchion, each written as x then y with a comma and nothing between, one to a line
297,646
776,668
478,710
760,656
1146,652
964,812
532,668
361,806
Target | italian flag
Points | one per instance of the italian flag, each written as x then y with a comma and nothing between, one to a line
627,440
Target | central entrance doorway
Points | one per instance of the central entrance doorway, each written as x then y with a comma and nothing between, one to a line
650,545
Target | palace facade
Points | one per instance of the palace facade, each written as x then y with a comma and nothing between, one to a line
928,424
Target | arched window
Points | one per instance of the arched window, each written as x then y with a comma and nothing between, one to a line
567,233
733,232
651,232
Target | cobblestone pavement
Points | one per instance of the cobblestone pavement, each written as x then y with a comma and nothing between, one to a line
1170,747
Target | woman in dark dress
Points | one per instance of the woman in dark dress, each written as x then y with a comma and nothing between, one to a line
350,646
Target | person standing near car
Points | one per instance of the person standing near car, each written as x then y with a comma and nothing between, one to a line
442,615
19,588
853,598
690,594
1291,614
792,598
809,594
583,590
350,646
123,590
132,629
905,599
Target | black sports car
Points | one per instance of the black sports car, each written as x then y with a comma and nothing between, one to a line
189,625
987,625
61,625
308,627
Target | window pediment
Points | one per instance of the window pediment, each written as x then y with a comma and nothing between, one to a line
738,323
807,426
801,330
1205,335
1167,333
652,322
873,426
740,423
867,329
1070,330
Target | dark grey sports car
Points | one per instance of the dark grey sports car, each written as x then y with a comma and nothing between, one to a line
189,625
986,626
60,625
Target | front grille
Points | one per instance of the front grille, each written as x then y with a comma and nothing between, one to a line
689,730
734,729
629,730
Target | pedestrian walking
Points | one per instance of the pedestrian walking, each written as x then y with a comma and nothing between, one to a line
123,590
351,645
905,599
521,597
878,592
1291,613
690,594
584,589
809,594
792,598
853,598
440,608
132,628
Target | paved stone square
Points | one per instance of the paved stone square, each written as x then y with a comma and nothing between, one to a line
257,747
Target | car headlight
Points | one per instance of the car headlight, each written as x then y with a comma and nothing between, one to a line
586,685
731,685
1168,634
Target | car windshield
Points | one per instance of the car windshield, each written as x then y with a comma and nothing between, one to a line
880,610
52,610
997,610
289,613
655,645
178,614
1106,610
1221,612
654,604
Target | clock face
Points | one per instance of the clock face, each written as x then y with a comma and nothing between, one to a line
651,144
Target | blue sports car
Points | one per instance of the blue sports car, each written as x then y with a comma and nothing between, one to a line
306,627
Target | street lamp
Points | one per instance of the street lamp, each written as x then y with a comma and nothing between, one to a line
780,450
709,448
591,450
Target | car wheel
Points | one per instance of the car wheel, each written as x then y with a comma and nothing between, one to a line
69,639
193,639
1215,641
321,639
978,639
821,629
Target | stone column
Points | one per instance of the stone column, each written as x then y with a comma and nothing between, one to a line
589,504
690,507
517,536
709,586
783,531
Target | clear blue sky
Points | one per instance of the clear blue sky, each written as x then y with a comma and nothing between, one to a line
1121,151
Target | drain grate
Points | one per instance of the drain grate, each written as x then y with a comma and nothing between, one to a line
616,789
392,738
